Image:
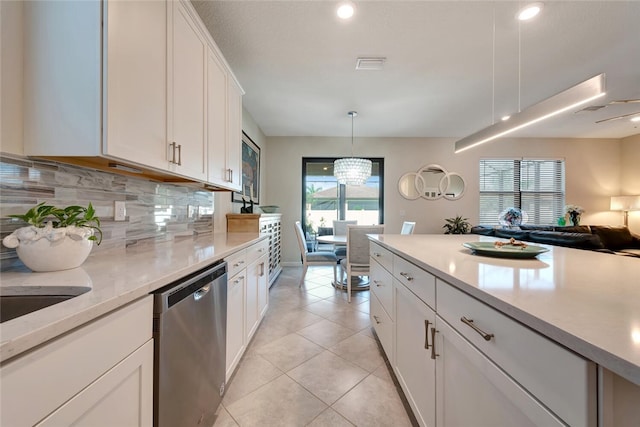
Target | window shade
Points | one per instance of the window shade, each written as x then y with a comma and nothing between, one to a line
534,186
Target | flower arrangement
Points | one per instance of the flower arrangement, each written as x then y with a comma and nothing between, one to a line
511,216
574,212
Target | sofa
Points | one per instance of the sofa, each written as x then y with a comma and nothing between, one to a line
601,238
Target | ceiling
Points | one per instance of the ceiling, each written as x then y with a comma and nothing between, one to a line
296,61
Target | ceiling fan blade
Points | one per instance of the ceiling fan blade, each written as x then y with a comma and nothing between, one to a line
625,101
618,117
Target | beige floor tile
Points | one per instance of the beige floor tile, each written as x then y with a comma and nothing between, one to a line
360,350
266,334
383,373
357,297
325,308
327,376
289,351
372,403
322,291
352,319
293,319
253,372
363,307
326,333
224,419
329,418
368,332
282,402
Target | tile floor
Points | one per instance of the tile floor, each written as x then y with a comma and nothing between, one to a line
312,362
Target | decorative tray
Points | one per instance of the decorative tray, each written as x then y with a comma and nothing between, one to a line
506,250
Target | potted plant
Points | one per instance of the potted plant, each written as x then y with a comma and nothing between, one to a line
457,225
574,212
56,238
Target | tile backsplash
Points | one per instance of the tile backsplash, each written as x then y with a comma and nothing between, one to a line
154,210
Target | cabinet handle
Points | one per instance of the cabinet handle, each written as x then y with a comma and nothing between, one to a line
406,276
376,319
261,269
238,280
377,283
426,335
172,146
433,344
376,254
238,264
483,334
180,154
229,175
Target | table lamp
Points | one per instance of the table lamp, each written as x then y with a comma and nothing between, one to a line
625,204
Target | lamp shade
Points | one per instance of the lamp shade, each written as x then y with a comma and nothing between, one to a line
352,170
625,203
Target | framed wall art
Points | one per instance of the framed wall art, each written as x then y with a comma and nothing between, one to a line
250,172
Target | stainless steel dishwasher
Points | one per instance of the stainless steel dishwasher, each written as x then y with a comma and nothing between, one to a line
189,330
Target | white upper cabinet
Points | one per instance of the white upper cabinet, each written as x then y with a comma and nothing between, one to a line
128,81
187,147
135,81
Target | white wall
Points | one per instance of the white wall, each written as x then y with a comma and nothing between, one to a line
11,41
593,175
630,180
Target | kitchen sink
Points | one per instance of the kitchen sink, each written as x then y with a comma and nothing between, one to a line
12,306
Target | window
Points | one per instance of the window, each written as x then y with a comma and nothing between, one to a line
323,200
534,186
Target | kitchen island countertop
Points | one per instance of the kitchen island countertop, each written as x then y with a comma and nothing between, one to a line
115,278
587,301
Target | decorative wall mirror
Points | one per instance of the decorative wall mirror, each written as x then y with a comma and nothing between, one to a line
431,182
408,185
432,177
455,187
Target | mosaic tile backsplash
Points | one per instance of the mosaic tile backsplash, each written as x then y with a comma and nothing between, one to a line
154,211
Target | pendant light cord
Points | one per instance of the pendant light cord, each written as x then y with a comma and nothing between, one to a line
519,66
493,68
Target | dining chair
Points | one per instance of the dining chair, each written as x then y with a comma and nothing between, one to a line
408,227
357,260
314,258
340,229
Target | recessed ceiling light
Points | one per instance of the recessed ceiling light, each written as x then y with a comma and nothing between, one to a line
346,10
635,119
529,11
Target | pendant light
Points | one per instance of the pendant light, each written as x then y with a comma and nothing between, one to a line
566,100
352,170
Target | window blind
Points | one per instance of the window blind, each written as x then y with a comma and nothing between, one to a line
534,186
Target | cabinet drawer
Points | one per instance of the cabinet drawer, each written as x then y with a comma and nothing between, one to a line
382,256
383,326
381,286
562,380
416,280
257,250
236,262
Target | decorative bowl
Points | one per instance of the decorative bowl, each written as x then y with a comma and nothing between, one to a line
269,209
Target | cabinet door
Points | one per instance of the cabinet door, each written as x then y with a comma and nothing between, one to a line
121,397
414,367
263,285
234,147
187,144
218,173
135,81
472,391
251,305
235,321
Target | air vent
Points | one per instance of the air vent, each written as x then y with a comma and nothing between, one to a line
370,63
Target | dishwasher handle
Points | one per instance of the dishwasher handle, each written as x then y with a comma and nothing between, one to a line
201,292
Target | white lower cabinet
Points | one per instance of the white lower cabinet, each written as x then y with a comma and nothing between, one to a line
101,374
247,299
463,363
473,391
235,321
414,367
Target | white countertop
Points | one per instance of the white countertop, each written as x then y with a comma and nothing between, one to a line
115,277
587,301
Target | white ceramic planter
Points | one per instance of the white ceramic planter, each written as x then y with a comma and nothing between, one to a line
51,249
